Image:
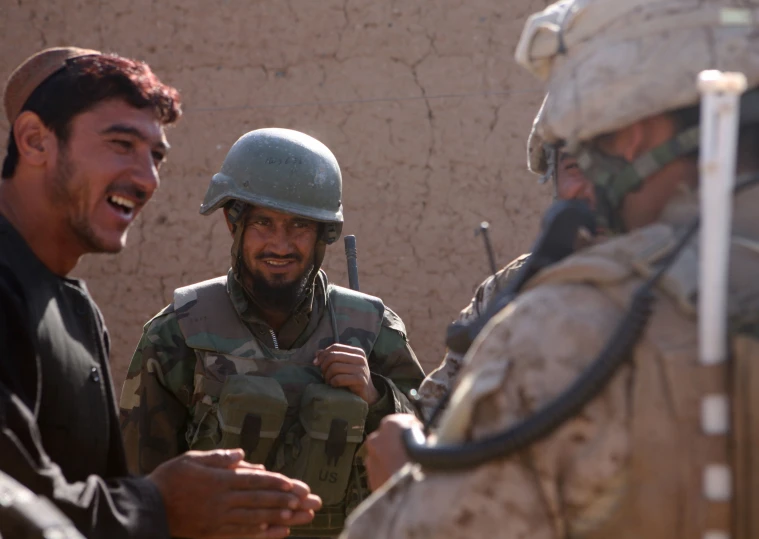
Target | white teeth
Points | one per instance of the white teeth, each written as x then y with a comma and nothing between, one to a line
277,263
121,201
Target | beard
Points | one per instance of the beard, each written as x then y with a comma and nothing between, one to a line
66,192
278,295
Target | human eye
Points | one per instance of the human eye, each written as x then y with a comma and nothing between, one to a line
158,156
123,145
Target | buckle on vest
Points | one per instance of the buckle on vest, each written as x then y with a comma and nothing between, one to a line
250,433
336,440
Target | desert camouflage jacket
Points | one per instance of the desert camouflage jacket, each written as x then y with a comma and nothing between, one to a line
158,397
440,381
638,460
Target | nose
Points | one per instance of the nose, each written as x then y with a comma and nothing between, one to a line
145,175
278,241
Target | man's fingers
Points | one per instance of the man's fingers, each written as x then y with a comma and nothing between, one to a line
351,359
263,499
311,502
343,380
342,368
252,519
337,349
299,488
218,458
248,465
395,422
247,479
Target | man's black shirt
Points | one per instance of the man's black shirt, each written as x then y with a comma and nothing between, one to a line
59,431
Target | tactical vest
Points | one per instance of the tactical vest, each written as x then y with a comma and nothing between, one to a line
686,477
274,403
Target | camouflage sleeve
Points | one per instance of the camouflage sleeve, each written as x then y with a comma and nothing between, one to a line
395,370
156,395
440,381
556,488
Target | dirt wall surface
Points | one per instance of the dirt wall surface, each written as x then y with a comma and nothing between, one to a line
421,102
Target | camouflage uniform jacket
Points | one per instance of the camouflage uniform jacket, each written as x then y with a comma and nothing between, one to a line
440,381
632,462
157,401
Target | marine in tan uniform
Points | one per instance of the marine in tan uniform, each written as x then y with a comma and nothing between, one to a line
569,184
637,460
385,453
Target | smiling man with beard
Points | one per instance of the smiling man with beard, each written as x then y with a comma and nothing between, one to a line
272,358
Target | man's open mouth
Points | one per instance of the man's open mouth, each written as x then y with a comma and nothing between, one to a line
123,205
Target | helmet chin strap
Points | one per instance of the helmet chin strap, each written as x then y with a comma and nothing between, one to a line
235,216
614,177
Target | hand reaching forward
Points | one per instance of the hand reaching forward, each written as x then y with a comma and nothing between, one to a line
385,453
217,495
347,366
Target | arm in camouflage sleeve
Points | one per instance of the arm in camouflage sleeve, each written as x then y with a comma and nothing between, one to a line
441,380
555,488
395,370
155,400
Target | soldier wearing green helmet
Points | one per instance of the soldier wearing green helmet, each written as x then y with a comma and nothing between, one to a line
272,357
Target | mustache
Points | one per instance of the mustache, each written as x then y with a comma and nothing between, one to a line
293,256
128,190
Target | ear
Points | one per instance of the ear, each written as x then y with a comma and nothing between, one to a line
35,142
229,225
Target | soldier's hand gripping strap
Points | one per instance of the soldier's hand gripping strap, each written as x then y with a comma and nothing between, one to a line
590,383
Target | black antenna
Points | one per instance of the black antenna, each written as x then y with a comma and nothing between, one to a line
484,231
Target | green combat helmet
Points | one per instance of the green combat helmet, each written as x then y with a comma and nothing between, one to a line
283,170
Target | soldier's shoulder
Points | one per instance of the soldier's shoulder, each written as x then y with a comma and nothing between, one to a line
391,320
508,272
632,255
529,352
354,299
165,319
499,281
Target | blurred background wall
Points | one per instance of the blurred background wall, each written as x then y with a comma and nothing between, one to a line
420,100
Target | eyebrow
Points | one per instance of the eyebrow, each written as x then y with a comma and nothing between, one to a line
133,131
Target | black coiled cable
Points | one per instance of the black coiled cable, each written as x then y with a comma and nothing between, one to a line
591,382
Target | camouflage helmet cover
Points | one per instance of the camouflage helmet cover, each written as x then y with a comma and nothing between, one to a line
610,63
283,170
537,159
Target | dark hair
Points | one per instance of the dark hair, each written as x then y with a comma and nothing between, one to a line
86,81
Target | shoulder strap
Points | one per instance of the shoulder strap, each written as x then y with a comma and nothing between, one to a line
633,256
208,319
357,316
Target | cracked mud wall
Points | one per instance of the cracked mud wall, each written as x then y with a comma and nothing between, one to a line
421,102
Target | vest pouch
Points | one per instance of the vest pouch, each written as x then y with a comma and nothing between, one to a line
206,434
333,420
251,411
